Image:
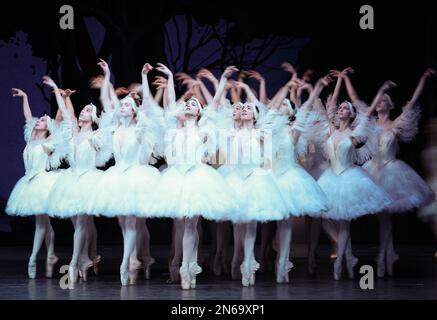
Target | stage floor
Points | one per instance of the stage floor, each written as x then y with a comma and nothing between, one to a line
415,278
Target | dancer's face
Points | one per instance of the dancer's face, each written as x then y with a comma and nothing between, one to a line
192,108
127,109
384,104
247,113
236,113
86,115
344,112
41,124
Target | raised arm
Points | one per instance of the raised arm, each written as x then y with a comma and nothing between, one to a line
206,74
349,87
171,94
427,74
59,100
262,85
205,92
147,97
26,107
106,87
222,84
384,88
66,95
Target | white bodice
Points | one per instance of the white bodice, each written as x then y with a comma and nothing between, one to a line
35,158
387,146
126,147
245,152
83,157
284,150
340,151
188,146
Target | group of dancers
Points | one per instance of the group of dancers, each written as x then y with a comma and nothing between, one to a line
232,155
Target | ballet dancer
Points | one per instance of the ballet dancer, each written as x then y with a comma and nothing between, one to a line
30,194
125,187
406,188
70,194
189,188
351,191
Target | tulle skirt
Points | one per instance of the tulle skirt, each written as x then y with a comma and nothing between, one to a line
200,191
259,197
406,188
31,196
301,193
72,192
429,212
352,194
123,192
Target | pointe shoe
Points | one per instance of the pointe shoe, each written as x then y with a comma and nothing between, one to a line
194,269
391,259
147,263
134,265
72,274
245,274
50,264
185,276
350,265
83,269
31,269
96,261
380,269
337,269
124,275
254,266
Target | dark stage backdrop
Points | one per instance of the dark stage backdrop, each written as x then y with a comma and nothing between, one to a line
188,35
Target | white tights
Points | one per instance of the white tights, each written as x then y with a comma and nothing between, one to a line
43,233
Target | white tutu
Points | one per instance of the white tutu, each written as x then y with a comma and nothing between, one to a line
259,197
31,193
199,191
70,194
122,192
406,188
352,194
429,212
301,193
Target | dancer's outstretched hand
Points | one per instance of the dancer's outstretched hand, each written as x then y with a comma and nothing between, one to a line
286,66
229,71
96,82
164,69
429,73
18,93
146,68
49,82
255,75
104,65
205,73
388,85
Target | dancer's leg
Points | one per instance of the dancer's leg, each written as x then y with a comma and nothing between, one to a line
239,229
38,239
343,238
128,224
314,226
189,251
283,261
249,265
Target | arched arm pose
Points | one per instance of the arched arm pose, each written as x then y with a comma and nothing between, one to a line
344,139
406,188
30,194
